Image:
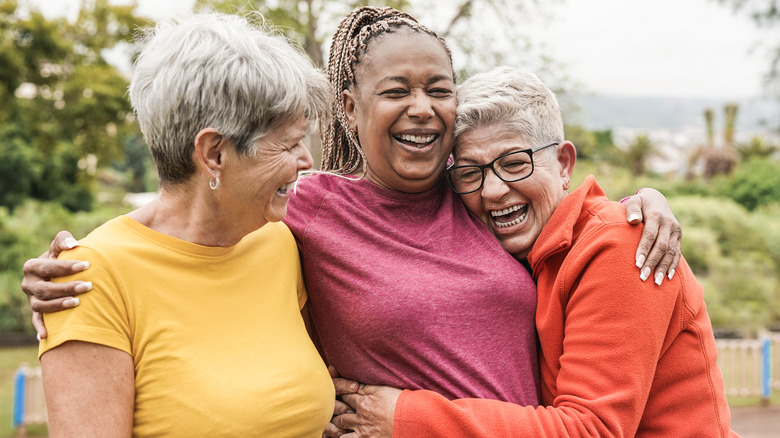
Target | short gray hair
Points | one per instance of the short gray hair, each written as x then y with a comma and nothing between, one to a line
512,98
220,71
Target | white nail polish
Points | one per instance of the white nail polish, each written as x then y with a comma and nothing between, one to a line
71,302
671,274
84,287
645,274
659,277
38,336
640,260
633,217
81,266
71,243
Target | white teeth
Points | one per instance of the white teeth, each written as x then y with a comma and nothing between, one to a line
417,138
287,187
506,210
511,223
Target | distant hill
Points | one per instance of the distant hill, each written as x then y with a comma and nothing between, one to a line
673,114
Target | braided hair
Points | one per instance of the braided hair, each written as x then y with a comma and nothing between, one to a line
341,150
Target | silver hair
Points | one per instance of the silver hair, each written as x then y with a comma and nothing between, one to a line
512,98
221,71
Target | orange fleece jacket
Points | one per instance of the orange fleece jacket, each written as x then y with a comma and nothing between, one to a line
619,357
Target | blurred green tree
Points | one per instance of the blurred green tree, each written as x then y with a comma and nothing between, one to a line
755,183
62,105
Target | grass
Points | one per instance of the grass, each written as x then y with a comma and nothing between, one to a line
10,359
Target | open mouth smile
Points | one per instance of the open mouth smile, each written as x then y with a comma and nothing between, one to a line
509,216
416,141
286,188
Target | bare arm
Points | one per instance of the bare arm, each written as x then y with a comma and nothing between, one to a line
89,390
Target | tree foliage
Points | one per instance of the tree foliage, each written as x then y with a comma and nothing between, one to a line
481,33
61,102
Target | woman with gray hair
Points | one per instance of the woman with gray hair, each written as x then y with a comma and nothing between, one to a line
617,356
223,105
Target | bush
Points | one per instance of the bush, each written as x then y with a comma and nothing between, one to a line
755,183
700,248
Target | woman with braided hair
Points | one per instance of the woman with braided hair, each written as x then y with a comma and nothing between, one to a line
406,288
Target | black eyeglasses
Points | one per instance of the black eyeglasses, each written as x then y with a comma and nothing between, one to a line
510,167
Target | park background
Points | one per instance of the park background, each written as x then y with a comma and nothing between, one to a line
680,96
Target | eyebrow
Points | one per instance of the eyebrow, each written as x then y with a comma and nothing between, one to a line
405,80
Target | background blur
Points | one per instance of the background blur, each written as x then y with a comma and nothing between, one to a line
679,96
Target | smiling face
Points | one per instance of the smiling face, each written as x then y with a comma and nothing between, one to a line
258,184
515,212
403,110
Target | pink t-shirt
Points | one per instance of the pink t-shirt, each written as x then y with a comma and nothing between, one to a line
410,290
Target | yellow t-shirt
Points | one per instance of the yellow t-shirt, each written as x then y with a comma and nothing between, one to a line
216,334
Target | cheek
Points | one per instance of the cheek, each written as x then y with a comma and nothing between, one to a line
473,202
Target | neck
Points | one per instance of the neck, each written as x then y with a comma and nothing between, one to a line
191,213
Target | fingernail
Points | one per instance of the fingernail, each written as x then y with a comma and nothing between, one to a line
644,274
81,266
350,411
71,243
353,387
38,335
659,277
83,287
640,260
71,302
633,217
671,274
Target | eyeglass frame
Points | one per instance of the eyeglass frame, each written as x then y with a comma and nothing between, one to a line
482,167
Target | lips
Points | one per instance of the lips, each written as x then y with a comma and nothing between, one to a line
509,216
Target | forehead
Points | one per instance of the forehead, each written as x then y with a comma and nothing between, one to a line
291,131
486,142
404,51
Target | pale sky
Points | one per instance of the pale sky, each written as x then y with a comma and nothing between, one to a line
670,48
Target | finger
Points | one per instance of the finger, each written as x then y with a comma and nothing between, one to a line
342,408
676,259
44,289
48,268
62,241
634,210
331,431
664,266
345,421
55,305
40,327
345,386
332,371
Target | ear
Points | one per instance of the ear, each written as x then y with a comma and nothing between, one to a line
567,156
209,149
349,102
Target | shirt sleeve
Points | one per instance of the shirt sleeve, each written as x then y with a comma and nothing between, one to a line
101,317
614,334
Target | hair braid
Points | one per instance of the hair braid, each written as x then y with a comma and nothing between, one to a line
341,149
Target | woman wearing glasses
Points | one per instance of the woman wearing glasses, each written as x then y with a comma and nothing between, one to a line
618,357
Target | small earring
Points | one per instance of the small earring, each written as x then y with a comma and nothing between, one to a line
566,184
213,185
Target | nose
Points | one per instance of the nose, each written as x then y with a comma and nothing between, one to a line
493,188
305,161
421,106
